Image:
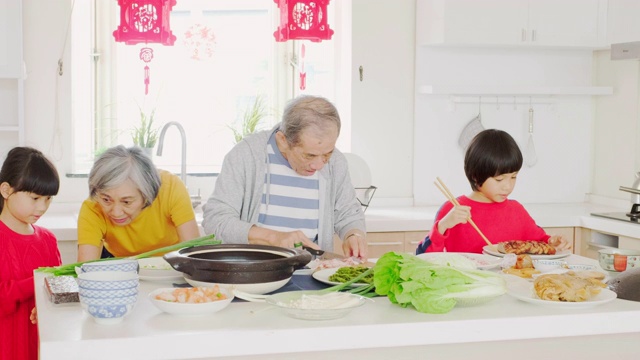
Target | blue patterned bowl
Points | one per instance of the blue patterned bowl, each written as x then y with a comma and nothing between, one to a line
109,265
109,314
123,300
102,294
108,280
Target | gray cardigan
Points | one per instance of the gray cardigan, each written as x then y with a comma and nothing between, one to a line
235,203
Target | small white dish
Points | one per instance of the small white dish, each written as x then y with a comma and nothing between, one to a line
295,304
176,308
157,269
548,265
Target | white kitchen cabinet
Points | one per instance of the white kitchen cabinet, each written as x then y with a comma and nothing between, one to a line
11,75
622,21
11,39
544,23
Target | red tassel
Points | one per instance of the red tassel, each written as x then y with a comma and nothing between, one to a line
146,80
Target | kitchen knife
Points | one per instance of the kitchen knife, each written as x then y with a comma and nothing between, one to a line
323,255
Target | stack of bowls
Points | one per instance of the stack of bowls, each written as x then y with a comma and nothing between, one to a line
109,295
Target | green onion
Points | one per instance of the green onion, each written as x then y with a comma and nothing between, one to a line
70,269
365,290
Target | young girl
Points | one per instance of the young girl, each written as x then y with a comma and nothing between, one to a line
492,162
28,181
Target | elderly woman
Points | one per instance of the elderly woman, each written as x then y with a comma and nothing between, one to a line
132,207
289,186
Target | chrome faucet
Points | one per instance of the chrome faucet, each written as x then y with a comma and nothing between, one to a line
183,137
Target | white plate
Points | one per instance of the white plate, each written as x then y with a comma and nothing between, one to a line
157,269
323,276
190,309
493,250
482,261
523,290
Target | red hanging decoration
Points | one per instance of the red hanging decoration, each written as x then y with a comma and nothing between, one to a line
303,20
145,21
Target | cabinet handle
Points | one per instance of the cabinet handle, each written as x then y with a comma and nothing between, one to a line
533,35
391,243
598,246
524,35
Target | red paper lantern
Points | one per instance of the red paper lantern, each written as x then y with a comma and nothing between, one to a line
145,21
303,20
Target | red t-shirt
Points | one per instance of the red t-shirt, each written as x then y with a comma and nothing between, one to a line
504,221
19,256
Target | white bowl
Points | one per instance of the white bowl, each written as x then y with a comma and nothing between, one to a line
177,308
294,305
548,265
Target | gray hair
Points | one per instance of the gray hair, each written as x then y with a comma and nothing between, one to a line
308,112
119,164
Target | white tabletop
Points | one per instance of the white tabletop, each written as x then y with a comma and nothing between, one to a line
246,329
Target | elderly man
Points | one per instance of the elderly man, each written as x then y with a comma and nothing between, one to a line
289,185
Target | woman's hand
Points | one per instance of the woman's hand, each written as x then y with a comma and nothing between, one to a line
457,215
34,316
560,243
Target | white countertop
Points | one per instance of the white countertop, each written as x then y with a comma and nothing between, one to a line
378,329
389,219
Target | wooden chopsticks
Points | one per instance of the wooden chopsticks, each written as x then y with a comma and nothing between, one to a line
445,190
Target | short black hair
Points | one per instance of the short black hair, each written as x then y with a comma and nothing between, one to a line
27,169
491,153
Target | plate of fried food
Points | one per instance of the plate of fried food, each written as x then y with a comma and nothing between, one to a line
571,290
535,249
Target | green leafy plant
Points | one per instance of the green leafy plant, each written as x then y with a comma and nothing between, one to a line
145,134
251,118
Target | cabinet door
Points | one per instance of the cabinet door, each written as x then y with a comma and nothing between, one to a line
563,22
11,39
412,239
622,21
472,22
383,242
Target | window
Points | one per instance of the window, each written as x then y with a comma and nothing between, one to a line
205,82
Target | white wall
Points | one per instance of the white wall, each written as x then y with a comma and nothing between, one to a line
617,131
562,129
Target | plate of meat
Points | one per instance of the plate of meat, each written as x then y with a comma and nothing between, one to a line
535,249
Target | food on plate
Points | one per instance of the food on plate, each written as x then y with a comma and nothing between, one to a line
193,295
570,286
347,273
523,267
333,300
526,273
526,247
317,264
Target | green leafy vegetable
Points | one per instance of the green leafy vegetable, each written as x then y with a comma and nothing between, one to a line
70,269
430,288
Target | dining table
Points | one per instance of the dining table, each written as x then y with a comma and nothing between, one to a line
504,328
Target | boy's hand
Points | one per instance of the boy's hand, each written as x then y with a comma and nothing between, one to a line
457,215
560,243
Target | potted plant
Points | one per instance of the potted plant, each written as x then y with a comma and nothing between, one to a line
145,135
251,118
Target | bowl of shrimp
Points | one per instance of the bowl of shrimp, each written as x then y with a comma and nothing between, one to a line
192,300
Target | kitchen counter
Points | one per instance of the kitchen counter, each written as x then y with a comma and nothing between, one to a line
377,330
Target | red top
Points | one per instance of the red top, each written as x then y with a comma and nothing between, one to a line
19,256
504,221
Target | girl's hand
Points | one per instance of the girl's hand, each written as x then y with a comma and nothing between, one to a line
559,242
457,215
34,316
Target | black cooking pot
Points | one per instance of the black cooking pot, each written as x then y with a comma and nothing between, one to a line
237,263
